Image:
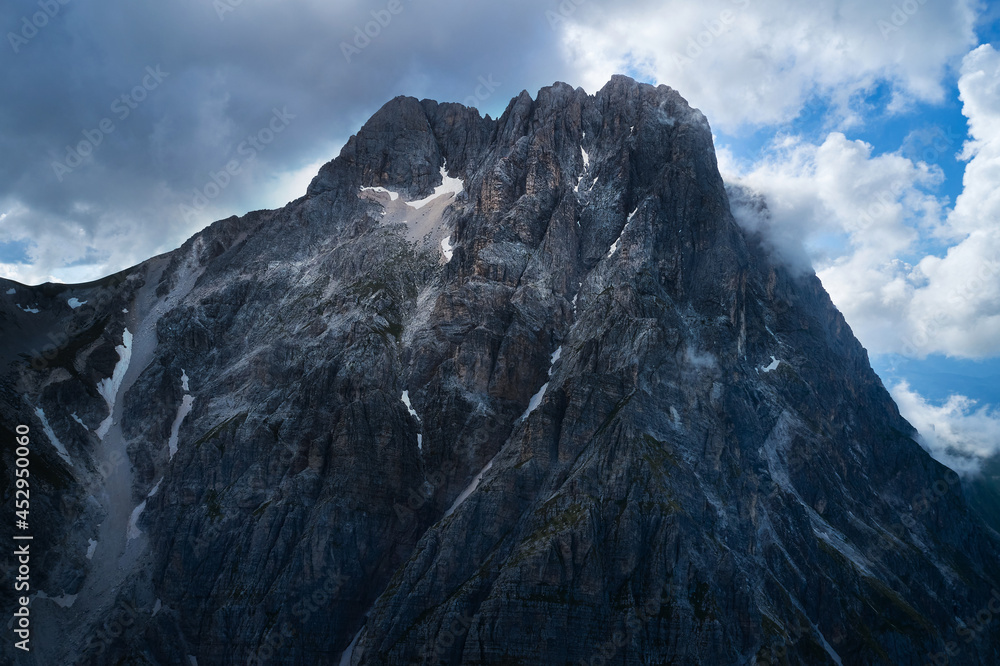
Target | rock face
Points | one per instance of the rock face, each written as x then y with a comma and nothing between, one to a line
513,391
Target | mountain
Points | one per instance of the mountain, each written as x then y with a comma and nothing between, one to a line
512,391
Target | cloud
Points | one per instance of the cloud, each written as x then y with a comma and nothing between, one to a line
863,221
956,433
958,311
745,62
849,213
758,62
223,74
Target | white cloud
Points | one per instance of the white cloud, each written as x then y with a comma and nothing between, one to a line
293,184
67,251
850,214
222,79
956,433
860,217
752,62
119,237
757,62
958,312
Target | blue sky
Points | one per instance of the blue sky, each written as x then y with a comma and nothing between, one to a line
934,133
871,127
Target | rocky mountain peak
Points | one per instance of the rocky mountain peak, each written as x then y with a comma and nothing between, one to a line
511,391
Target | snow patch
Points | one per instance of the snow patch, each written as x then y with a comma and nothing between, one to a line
447,248
156,607
453,186
91,547
586,166
60,449
104,427
818,634
78,420
108,388
535,401
614,246
65,601
409,407
187,402
74,302
11,291
345,659
773,366
156,488
471,488
133,520
829,648
381,190
406,401
26,309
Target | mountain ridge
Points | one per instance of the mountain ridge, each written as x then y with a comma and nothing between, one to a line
626,429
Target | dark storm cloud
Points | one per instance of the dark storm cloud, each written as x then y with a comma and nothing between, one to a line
117,113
